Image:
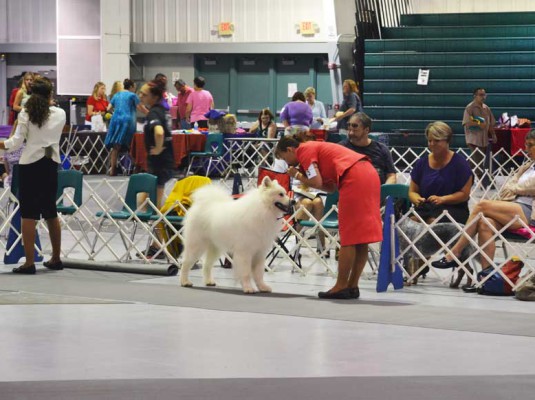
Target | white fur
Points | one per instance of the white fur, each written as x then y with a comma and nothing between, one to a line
245,228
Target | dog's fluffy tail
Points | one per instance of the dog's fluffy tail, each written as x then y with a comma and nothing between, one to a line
210,194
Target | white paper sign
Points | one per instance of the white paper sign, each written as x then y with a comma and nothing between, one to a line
292,88
423,76
176,77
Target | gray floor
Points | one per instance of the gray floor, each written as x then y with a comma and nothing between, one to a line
77,334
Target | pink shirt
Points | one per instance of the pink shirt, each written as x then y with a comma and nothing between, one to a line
201,102
181,102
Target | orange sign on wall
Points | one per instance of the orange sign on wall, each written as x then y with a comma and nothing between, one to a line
225,28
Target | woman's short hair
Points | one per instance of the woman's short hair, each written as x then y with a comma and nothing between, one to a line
310,90
128,83
363,118
285,142
199,81
438,130
298,96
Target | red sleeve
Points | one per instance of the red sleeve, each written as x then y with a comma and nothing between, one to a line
91,101
12,97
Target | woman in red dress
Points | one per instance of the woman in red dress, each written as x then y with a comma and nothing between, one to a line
330,167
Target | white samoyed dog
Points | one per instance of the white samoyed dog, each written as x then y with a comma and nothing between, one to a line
244,228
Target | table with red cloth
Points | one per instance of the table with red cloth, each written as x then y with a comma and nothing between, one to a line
183,144
518,140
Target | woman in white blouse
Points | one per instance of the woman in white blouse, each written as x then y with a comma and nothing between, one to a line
318,109
40,125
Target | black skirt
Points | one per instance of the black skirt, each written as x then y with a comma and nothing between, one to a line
37,189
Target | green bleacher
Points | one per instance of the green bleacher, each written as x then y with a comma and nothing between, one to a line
495,51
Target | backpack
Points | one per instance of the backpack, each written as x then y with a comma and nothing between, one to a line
496,285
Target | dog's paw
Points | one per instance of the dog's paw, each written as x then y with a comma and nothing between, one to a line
186,284
210,283
248,290
264,288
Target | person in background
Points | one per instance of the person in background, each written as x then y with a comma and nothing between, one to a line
24,93
183,92
168,97
441,180
97,103
12,113
478,123
116,87
515,199
318,109
198,103
329,167
158,141
296,115
123,123
350,105
359,127
265,125
40,125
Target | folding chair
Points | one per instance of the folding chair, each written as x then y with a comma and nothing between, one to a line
213,149
75,180
138,183
284,180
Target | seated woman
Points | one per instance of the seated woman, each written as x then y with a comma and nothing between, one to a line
265,126
441,180
517,198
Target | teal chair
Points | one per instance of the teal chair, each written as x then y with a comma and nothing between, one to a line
75,180
213,150
397,191
137,183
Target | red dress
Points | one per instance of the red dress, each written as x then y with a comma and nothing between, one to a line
12,113
359,188
98,106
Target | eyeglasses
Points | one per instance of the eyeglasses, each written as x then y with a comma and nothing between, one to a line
354,126
529,145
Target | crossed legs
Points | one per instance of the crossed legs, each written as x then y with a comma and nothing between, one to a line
497,214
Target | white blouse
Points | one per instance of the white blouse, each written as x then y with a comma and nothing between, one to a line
38,139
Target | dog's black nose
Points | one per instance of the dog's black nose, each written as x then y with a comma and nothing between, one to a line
292,202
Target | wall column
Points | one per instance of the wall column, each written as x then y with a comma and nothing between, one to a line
115,48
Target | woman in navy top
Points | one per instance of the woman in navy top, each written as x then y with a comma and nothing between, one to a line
441,180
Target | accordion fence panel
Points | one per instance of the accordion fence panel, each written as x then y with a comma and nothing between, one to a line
107,195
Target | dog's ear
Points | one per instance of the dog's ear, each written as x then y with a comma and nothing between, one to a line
266,182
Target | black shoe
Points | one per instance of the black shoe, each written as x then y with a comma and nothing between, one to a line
343,294
57,266
354,293
444,264
25,270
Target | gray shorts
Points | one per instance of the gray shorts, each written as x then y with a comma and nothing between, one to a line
527,212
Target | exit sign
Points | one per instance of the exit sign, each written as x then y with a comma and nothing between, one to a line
307,28
225,29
